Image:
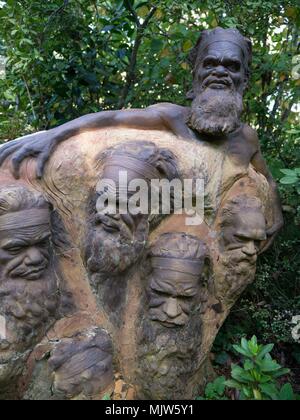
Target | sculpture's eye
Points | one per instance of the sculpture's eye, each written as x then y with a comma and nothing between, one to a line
14,249
210,63
233,66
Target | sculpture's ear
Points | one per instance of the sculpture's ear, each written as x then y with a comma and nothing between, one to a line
191,95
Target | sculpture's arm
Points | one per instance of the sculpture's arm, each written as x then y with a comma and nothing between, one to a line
167,117
260,165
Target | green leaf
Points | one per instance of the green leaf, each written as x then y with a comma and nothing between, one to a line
288,172
281,372
265,350
233,384
248,365
253,347
269,366
241,375
187,45
156,45
286,393
244,344
270,390
289,180
240,350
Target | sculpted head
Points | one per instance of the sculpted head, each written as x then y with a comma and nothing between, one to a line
177,262
24,234
28,289
221,61
116,240
243,228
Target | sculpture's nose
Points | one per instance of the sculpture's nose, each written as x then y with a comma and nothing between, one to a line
220,71
249,249
33,256
172,308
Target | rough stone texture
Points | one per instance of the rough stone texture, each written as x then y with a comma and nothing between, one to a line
100,317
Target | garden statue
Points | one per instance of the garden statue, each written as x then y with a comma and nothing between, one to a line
127,236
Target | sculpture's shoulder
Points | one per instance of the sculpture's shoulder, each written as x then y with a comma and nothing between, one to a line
171,110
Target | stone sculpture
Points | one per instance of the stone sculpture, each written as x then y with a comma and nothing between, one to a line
97,291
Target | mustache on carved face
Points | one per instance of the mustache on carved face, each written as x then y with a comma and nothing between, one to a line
17,268
237,260
226,81
157,316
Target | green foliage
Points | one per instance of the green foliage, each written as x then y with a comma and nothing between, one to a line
254,378
292,177
66,58
215,390
257,378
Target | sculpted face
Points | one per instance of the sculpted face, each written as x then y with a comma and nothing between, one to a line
171,301
242,230
245,234
222,68
24,254
170,322
115,241
219,82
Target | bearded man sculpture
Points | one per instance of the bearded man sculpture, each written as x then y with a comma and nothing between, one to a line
128,320
28,284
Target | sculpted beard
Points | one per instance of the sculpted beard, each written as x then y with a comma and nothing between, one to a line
30,308
216,111
167,356
111,253
239,272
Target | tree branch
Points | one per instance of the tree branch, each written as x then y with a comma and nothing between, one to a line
133,12
130,77
30,98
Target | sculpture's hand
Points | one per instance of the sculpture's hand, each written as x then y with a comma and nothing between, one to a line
38,145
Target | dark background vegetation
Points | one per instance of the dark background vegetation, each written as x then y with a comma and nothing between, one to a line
61,59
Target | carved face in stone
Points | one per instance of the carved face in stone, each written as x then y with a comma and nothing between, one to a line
243,228
117,240
175,281
171,332
28,290
24,253
220,78
172,300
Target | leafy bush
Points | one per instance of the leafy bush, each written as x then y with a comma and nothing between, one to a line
292,177
257,378
254,378
215,390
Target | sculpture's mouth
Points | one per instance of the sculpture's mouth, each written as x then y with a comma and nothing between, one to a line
217,83
30,274
168,324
